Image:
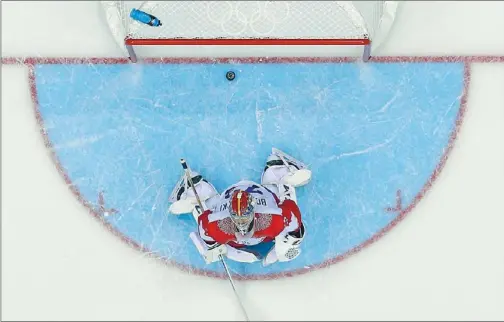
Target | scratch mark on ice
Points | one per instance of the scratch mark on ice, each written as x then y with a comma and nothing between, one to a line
79,142
259,120
392,100
441,121
140,196
222,141
368,149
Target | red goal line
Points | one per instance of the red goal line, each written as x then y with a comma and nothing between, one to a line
259,60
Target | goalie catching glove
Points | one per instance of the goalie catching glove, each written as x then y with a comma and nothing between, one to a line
287,247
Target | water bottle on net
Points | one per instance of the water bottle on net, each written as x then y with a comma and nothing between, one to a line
145,18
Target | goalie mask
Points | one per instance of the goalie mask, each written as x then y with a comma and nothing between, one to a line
241,209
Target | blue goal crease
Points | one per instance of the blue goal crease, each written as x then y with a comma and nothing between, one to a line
365,131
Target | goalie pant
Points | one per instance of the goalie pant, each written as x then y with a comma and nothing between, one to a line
275,220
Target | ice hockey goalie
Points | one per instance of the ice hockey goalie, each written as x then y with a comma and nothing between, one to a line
247,213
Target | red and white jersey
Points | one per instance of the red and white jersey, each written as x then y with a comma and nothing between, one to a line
271,218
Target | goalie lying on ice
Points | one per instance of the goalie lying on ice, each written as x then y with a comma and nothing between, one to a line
247,213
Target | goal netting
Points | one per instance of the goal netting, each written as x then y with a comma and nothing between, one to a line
358,23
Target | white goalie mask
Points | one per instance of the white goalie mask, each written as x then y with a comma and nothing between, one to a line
241,209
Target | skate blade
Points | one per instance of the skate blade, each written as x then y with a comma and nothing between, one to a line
288,158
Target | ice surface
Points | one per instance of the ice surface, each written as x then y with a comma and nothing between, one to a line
119,131
444,259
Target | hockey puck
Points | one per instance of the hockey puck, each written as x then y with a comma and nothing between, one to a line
230,75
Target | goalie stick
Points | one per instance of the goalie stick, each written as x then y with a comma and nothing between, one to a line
189,180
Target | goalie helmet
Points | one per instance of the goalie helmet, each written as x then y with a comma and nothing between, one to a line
241,209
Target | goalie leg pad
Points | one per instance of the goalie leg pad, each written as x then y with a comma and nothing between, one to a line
283,191
292,173
210,203
183,198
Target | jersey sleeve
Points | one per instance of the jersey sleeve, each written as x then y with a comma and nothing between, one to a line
203,227
210,232
292,216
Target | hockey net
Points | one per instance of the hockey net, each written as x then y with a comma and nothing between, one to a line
357,23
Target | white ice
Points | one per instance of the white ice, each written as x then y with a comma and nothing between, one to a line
445,261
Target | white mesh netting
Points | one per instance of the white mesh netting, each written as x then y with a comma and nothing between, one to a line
251,19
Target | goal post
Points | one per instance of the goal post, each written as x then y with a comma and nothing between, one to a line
252,23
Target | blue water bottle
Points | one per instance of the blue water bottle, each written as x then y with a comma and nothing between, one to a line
145,18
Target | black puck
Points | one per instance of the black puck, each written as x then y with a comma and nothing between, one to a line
230,75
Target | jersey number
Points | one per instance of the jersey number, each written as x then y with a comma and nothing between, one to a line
252,189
